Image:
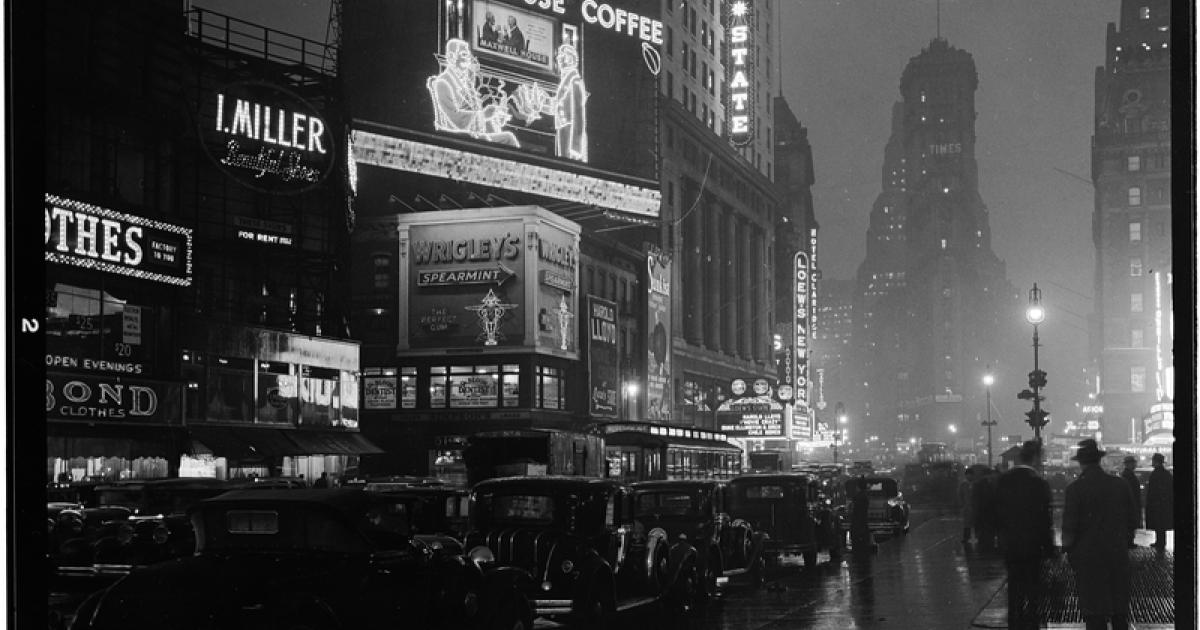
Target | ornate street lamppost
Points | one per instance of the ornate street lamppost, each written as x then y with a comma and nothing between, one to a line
1035,313
988,379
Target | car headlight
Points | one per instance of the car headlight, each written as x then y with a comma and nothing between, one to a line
567,566
481,556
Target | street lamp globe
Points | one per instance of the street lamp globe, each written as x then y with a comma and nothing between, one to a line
988,380
953,429
631,389
1035,313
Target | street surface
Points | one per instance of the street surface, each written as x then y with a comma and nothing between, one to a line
927,579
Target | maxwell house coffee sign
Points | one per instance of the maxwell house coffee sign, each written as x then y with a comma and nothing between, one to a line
266,137
88,236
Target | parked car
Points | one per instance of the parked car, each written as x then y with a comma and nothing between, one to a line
575,543
437,515
696,511
887,510
312,559
791,510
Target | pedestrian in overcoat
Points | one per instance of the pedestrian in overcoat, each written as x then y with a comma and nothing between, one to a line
1160,502
1026,531
1097,519
966,504
1135,487
983,495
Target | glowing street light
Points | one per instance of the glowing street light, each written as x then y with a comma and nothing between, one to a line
988,379
1035,314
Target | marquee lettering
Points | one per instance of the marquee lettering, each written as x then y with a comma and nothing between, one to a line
739,89
505,247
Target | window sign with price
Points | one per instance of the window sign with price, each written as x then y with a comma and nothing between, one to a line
98,330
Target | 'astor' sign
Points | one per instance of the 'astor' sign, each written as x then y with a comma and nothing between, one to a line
92,237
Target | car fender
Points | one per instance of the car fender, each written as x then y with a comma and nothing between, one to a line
681,557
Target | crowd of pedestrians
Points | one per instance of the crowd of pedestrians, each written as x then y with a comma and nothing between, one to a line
1013,513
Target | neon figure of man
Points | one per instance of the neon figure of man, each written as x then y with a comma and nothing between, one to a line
568,103
457,105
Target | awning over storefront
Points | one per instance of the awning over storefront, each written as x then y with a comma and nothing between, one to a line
70,439
251,443
333,443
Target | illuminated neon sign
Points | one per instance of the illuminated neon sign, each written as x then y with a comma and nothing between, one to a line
428,159
266,137
92,237
800,323
740,99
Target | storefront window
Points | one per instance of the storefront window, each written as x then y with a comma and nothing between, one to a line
319,396
408,388
230,391
551,388
473,386
349,400
278,398
92,329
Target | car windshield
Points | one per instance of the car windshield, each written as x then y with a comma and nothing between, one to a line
523,508
124,497
764,492
270,529
659,504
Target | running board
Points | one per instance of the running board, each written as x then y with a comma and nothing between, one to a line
634,603
735,572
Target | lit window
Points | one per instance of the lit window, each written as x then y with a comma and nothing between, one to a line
1135,195
943,243
383,275
1137,379
1143,13
1135,231
1134,163
1135,302
1135,266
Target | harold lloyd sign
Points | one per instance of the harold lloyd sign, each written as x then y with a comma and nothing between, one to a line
603,353
490,278
95,397
266,137
84,235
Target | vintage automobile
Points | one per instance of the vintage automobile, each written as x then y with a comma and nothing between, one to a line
696,511
310,559
887,511
433,514
575,543
791,511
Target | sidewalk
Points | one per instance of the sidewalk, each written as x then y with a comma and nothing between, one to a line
1152,601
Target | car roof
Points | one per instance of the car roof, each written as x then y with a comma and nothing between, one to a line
328,498
752,477
549,483
668,484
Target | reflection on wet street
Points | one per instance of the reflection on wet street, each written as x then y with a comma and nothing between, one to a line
926,579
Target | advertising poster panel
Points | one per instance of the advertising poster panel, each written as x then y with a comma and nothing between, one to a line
379,392
603,356
467,288
658,330
557,270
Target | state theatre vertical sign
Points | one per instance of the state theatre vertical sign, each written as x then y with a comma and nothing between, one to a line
658,330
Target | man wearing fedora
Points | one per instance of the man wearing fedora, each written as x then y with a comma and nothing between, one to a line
1097,521
1026,528
1135,487
1160,502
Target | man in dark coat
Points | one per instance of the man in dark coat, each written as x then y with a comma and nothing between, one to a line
1097,519
1026,530
1135,487
1160,502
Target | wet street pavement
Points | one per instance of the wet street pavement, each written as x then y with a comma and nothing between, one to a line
927,579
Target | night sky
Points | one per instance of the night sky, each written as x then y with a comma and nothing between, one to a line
841,63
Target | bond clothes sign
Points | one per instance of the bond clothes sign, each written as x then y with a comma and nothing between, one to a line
603,355
92,237
658,329
87,397
489,278
739,90
266,137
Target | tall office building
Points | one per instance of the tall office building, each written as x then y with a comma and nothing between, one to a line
931,290
1133,333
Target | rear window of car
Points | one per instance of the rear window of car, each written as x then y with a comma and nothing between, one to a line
523,507
252,522
765,492
666,503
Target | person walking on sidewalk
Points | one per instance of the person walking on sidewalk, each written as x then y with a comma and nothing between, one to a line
1026,530
1135,487
1160,502
966,504
1097,519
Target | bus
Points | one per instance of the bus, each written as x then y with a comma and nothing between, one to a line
645,451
